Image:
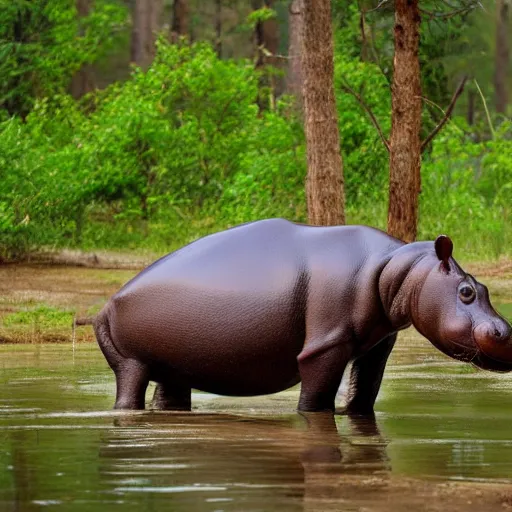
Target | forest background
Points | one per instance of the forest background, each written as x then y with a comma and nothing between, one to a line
111,138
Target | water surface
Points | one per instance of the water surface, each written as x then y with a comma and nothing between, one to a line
62,448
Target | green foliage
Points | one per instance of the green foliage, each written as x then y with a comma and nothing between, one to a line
40,183
271,176
185,136
365,156
467,191
185,148
259,16
43,43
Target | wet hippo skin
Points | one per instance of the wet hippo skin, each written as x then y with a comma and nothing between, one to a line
260,307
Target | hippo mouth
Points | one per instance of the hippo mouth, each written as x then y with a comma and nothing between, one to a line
477,357
484,362
456,350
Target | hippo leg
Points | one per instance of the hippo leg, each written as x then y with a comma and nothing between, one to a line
366,377
132,379
172,395
321,371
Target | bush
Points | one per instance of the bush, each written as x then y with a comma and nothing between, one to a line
467,191
43,43
183,139
183,149
365,157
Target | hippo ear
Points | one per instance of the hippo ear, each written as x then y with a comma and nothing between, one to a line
444,248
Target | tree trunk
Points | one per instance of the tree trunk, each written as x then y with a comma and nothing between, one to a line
405,145
471,107
266,36
270,31
324,182
502,56
83,80
294,79
266,41
147,17
218,28
180,19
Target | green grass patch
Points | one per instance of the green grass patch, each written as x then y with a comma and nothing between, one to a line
39,318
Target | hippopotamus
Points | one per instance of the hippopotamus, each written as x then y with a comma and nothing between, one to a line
260,307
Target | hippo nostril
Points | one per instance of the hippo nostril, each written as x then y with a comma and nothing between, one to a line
494,340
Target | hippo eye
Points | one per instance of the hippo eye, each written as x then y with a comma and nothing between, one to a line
467,294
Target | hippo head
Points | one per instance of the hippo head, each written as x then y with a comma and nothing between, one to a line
423,285
452,309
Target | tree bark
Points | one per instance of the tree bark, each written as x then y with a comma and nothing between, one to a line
266,36
502,56
266,42
405,144
180,19
294,80
218,28
324,182
471,107
147,17
82,81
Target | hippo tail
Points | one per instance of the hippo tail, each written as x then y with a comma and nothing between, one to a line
101,324
85,320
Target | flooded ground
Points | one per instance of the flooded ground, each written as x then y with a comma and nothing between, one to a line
442,439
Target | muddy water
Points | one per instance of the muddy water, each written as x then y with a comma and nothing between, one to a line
62,448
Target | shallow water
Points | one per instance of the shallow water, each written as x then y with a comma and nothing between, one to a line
62,448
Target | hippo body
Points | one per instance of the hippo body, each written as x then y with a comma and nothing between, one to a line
262,306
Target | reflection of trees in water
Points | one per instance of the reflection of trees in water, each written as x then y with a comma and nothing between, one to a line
49,467
256,463
24,473
295,462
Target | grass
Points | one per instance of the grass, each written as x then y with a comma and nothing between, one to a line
38,302
479,235
39,318
41,323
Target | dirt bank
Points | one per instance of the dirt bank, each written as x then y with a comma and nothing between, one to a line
38,301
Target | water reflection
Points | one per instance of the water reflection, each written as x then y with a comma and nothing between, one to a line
62,447
241,463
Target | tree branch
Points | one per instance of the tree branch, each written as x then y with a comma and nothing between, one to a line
446,116
451,14
369,42
380,4
368,110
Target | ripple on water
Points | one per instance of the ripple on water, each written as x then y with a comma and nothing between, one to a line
65,444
